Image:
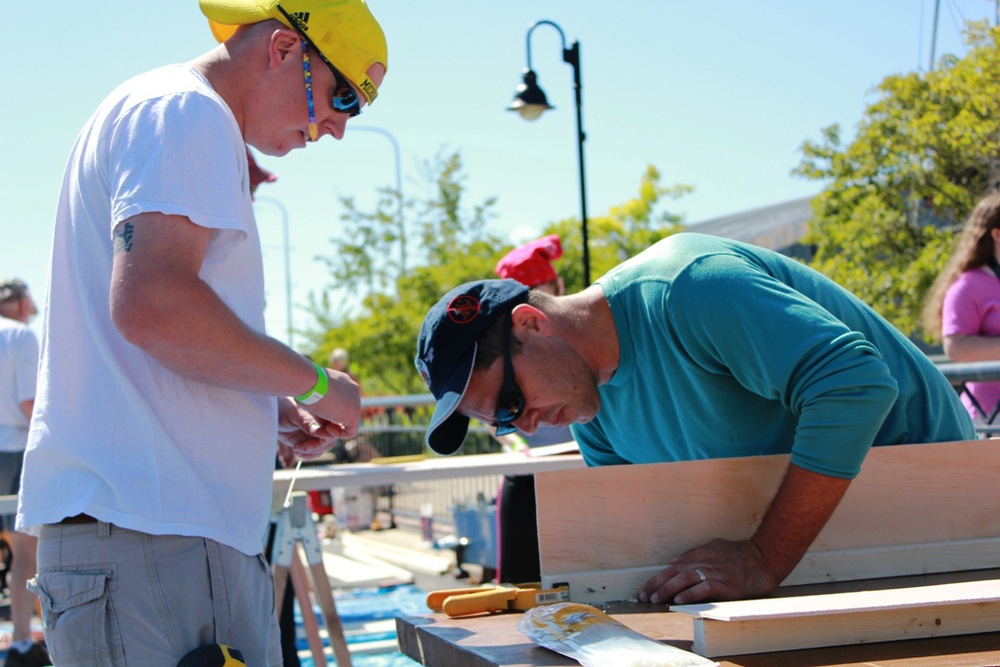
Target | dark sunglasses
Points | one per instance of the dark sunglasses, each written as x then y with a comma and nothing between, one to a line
510,400
344,98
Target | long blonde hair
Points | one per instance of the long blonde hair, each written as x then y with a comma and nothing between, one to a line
973,249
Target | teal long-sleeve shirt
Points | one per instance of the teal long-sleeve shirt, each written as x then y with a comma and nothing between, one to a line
731,350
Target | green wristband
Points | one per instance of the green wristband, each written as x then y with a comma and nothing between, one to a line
319,389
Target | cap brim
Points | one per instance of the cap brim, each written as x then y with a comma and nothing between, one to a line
221,31
449,427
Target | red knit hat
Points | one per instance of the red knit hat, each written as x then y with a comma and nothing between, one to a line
531,263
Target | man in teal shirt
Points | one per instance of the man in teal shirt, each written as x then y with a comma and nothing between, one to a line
697,348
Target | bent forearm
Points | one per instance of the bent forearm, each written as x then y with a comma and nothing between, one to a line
802,506
159,303
187,328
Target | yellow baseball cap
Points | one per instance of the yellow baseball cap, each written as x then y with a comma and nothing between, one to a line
344,31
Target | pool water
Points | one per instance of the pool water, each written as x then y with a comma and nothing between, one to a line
367,616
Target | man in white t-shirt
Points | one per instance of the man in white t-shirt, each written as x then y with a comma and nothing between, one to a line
160,397
18,371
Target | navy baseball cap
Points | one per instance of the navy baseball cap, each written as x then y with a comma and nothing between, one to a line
446,350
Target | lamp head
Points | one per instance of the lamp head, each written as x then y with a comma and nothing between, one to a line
529,100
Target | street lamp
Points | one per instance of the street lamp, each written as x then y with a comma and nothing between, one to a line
288,261
399,186
529,101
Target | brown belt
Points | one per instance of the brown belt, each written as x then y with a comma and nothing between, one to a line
79,518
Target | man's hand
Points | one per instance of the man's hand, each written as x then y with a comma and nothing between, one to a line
307,435
724,570
719,570
340,408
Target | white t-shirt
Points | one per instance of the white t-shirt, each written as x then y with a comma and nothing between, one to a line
115,435
18,371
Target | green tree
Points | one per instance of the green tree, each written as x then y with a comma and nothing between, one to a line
373,254
445,243
391,272
926,150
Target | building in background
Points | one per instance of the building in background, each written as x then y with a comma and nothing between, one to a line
777,227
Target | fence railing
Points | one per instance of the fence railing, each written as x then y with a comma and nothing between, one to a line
960,374
393,427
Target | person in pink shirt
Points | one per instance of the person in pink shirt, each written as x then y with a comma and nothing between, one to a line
963,305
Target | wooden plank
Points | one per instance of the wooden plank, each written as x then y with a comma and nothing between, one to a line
599,586
965,592
923,506
896,560
716,638
781,624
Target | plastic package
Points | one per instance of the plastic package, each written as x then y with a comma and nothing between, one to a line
594,639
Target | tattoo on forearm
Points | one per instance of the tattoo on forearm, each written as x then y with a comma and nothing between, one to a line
123,237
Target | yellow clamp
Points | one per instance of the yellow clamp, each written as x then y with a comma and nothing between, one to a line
493,599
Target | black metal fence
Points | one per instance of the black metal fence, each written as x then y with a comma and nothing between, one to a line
960,374
393,427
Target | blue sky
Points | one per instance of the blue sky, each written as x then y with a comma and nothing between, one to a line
719,94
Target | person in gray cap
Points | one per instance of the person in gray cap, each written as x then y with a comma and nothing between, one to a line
18,374
697,348
16,302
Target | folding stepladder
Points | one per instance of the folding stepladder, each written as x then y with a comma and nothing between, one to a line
294,527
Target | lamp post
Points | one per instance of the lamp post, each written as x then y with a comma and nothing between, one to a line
288,261
529,101
399,186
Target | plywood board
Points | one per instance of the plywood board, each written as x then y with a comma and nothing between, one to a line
914,509
778,624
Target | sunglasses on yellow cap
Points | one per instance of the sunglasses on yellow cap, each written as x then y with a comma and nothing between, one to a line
344,100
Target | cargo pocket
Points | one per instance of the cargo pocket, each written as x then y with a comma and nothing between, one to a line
80,627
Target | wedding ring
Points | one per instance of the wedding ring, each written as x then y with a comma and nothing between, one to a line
701,575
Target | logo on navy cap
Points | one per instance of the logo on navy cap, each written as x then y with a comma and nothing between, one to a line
463,309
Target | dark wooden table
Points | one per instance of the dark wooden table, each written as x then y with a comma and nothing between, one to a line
494,641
